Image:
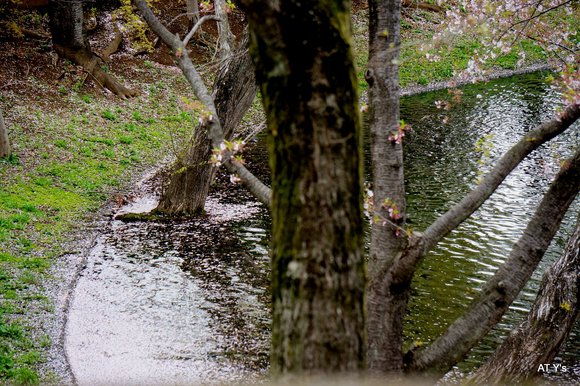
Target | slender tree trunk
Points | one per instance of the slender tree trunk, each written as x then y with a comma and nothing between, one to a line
226,38
386,303
191,175
192,9
4,142
538,339
70,41
308,86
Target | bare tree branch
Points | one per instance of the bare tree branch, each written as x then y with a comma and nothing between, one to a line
196,27
501,289
527,22
549,42
474,199
534,16
538,339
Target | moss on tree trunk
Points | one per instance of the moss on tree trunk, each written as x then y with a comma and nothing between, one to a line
305,71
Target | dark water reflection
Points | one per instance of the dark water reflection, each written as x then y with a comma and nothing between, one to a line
442,164
180,302
203,283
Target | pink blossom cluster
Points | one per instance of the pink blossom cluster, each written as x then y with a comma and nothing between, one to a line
397,136
500,26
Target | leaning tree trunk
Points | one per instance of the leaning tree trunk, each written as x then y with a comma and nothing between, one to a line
235,88
4,142
70,41
308,84
191,174
538,339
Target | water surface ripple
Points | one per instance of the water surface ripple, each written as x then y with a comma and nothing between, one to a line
172,302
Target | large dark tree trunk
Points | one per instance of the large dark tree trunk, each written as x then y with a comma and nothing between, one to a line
70,42
234,92
308,84
386,303
538,339
4,142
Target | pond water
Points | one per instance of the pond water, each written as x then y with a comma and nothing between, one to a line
443,162
186,301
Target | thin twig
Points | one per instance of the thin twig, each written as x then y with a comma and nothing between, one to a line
181,15
530,18
196,27
553,43
257,130
526,23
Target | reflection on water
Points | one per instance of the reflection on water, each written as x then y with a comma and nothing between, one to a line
186,301
173,302
442,164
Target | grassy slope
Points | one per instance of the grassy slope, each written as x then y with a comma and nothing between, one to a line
67,163
415,68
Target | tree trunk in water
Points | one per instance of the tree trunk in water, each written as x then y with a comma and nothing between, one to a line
309,90
386,303
214,130
539,338
4,142
190,178
70,41
191,175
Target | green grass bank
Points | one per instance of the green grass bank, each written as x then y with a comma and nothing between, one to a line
71,154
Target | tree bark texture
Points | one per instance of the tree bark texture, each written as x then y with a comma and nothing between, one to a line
4,142
500,291
226,38
192,9
210,131
539,337
190,178
70,41
386,303
309,90
191,175
235,88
